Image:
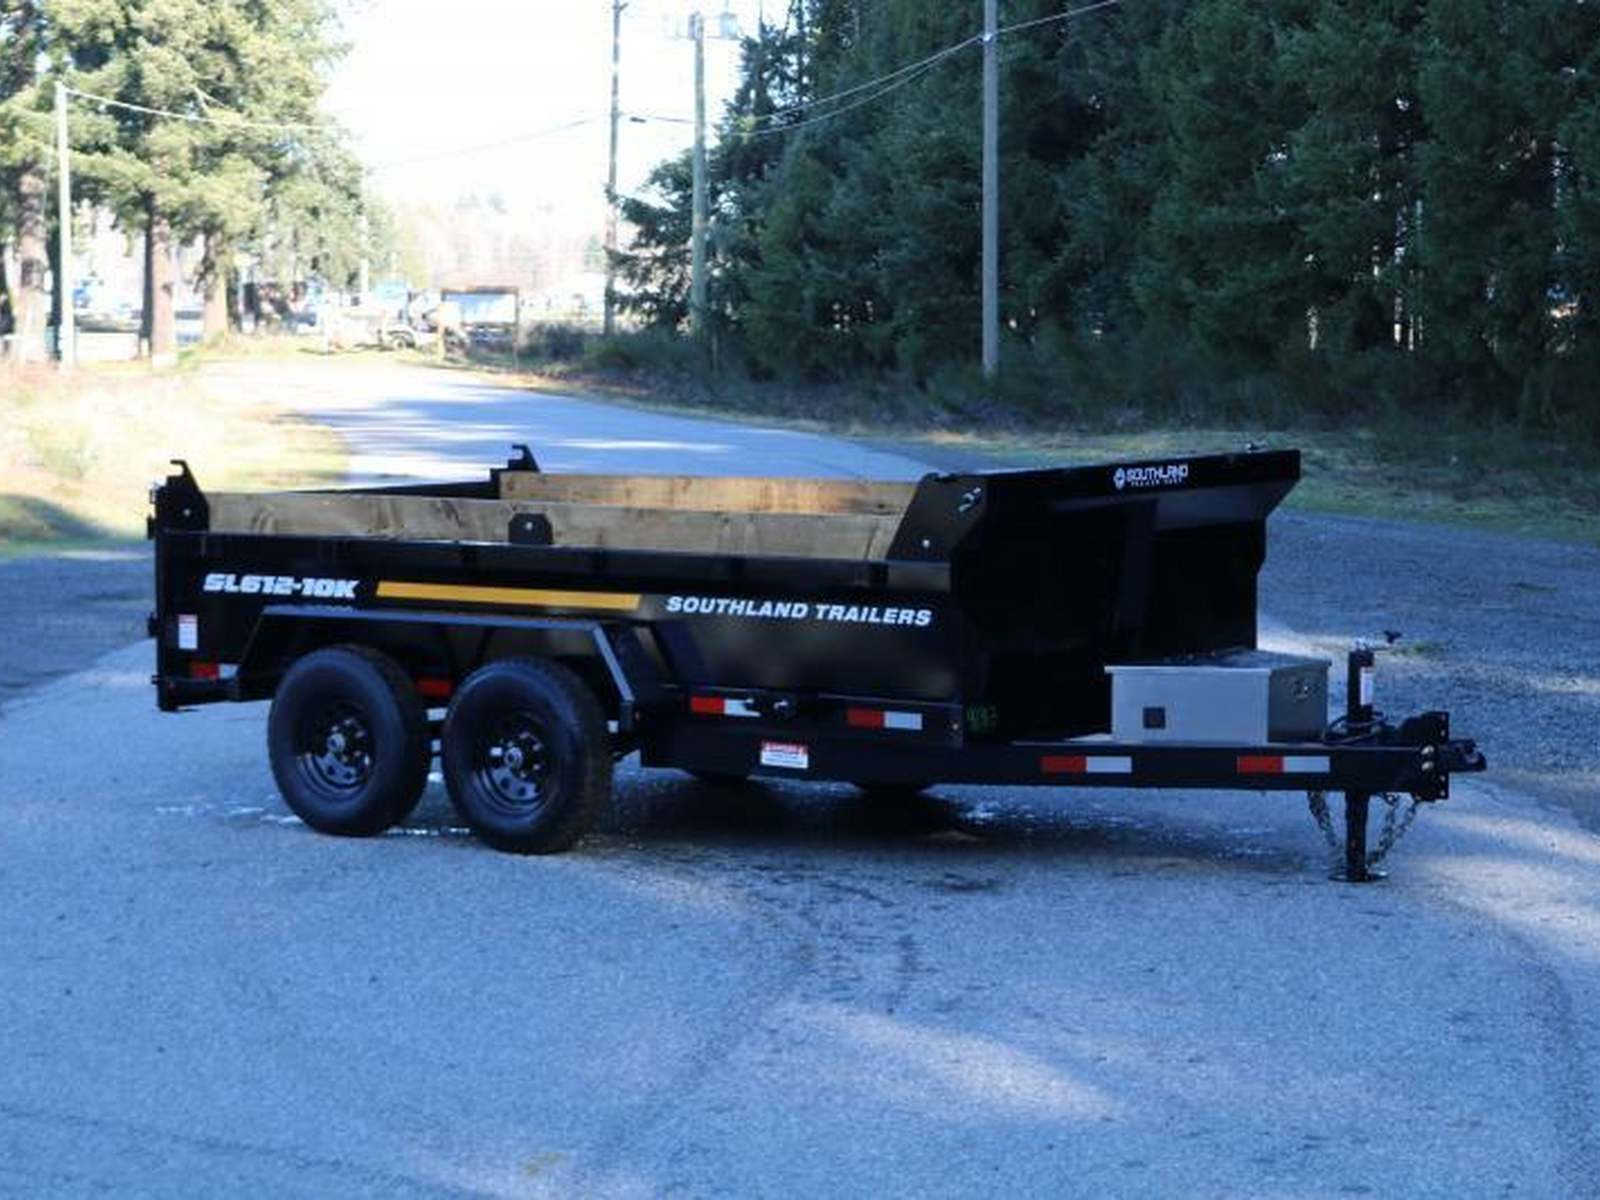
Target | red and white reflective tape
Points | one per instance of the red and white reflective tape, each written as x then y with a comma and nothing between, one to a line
1284,764
1086,764
722,706
880,718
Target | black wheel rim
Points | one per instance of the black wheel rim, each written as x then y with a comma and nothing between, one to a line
511,764
334,751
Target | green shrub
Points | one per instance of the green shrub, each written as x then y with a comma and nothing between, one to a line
556,342
653,350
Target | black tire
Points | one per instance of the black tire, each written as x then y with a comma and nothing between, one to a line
526,755
348,740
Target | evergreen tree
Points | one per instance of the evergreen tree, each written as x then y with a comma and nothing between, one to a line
1395,193
239,78
1114,158
1491,82
24,130
1226,260
1353,168
1578,253
654,270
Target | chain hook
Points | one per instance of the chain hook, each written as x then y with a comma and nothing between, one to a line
1395,824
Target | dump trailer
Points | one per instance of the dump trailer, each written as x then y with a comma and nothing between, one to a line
1089,626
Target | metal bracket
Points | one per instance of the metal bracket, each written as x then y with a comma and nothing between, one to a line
530,529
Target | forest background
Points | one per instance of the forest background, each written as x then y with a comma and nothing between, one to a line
1323,209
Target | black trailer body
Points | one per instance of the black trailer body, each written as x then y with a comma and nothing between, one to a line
970,627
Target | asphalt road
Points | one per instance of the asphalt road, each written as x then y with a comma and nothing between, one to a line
773,989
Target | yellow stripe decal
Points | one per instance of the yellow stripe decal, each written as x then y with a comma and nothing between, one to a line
389,589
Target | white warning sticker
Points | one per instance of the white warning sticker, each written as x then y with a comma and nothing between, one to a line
792,756
1366,688
188,631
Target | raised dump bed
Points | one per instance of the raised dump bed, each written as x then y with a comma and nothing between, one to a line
969,627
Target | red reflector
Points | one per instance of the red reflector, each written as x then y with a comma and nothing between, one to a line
204,670
864,718
1063,764
1260,764
709,705
434,689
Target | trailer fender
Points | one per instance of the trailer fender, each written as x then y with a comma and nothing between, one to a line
609,655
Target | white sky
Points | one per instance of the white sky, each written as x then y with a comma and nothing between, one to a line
425,78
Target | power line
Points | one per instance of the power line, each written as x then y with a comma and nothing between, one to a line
237,122
932,60
1053,18
873,98
922,68
514,140
232,121
910,70
658,119
876,90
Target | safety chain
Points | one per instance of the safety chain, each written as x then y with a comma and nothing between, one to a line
1318,802
1395,824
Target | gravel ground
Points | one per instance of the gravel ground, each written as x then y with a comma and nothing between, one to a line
1502,632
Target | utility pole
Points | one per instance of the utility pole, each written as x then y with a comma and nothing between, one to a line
727,30
66,333
611,176
697,243
991,191
364,274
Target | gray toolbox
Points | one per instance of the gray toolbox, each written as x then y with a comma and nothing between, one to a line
1249,696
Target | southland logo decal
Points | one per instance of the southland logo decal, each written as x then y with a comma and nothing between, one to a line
798,610
1148,477
280,585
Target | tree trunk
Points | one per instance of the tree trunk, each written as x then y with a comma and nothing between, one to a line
160,328
33,266
214,282
5,293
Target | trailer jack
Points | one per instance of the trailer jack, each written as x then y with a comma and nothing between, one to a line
1356,870
1354,863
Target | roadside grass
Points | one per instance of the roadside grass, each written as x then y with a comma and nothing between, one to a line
1452,469
278,348
78,452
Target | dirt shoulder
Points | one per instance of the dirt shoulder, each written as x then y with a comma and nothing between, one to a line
78,452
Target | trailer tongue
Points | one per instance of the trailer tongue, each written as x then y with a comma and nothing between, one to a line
1088,627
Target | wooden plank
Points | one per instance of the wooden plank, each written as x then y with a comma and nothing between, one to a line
336,514
428,518
706,493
